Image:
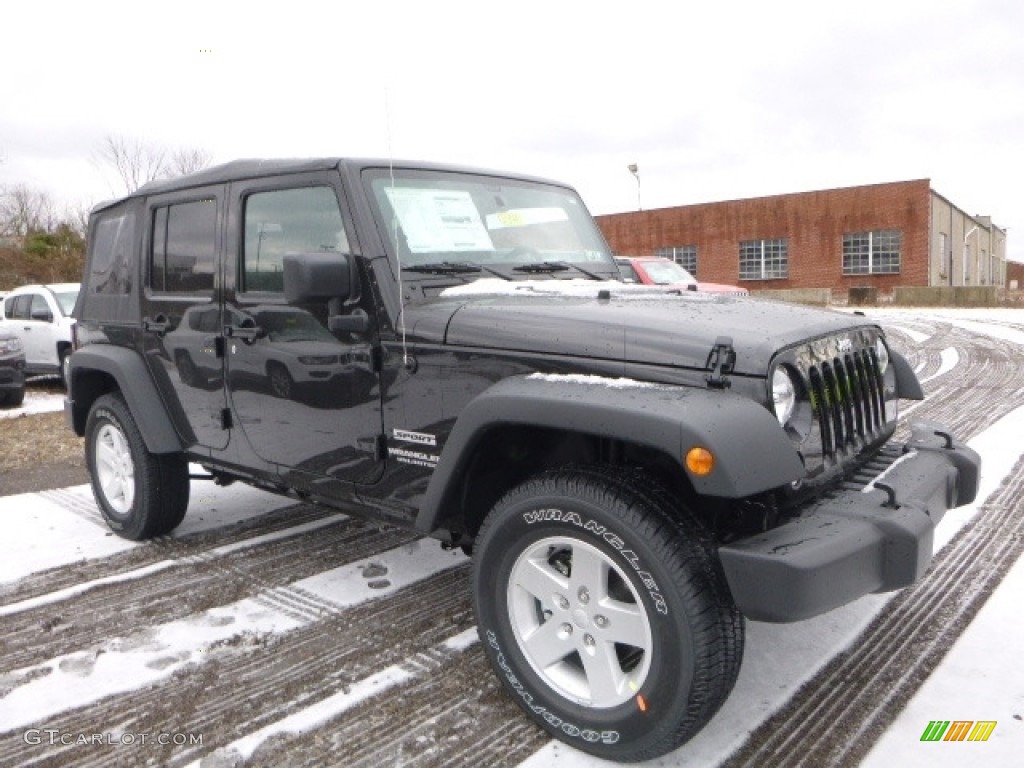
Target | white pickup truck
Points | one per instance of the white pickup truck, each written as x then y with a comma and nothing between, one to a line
40,315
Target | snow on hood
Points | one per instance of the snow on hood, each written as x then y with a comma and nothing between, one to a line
576,288
600,381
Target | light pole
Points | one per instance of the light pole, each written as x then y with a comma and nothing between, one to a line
635,170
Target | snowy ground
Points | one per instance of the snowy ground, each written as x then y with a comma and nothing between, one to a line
36,401
289,635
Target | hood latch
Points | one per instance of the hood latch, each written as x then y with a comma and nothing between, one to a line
721,362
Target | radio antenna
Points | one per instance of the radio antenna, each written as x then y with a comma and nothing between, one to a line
394,230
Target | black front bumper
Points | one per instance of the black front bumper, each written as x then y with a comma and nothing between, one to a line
855,540
12,374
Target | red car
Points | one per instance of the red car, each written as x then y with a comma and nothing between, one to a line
654,270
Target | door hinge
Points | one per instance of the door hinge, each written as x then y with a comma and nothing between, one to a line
225,418
219,347
376,359
380,447
721,361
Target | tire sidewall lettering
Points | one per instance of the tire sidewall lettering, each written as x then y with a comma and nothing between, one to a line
613,540
569,729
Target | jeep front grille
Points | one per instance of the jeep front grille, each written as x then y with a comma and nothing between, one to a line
847,398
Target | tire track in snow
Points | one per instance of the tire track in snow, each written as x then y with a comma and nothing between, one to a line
457,717
174,546
193,585
253,681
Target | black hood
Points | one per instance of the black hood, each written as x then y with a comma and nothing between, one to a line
641,326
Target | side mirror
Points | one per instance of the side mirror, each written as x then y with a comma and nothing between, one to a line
43,315
329,277
312,277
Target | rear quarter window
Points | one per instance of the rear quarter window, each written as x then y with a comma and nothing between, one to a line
110,262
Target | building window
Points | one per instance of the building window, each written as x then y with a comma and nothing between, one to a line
683,255
872,253
764,259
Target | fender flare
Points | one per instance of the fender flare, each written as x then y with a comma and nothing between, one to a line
752,453
135,383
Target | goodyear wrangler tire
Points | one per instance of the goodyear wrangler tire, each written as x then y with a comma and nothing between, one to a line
605,613
140,494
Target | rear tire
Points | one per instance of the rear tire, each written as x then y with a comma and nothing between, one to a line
140,494
605,612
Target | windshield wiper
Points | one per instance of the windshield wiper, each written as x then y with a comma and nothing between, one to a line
543,266
453,268
557,266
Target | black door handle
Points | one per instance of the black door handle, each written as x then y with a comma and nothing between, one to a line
246,332
158,325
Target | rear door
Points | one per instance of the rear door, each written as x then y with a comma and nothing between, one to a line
307,399
181,306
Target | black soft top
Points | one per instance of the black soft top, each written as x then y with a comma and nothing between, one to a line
238,170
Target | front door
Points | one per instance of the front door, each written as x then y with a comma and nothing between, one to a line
306,398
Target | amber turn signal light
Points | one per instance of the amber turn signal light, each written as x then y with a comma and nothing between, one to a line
700,461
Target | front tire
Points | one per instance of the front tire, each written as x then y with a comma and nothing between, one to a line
605,612
12,399
140,494
64,362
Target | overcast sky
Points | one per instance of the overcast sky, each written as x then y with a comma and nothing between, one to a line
722,101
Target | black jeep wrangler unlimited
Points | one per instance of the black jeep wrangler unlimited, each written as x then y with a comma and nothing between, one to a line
451,350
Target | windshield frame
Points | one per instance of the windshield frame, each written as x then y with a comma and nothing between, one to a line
545,213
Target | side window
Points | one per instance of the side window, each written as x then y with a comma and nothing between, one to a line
110,261
304,220
18,307
39,309
183,250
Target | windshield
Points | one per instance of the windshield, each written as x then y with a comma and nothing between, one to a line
435,217
66,300
667,272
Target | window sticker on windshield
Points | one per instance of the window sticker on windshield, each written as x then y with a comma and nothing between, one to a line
436,220
524,217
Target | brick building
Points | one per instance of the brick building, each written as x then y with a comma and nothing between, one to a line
880,235
1015,275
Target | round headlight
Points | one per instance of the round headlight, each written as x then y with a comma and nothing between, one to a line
883,355
783,395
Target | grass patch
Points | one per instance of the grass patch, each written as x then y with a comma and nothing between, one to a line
42,438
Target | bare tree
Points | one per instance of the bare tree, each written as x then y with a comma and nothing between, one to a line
134,161
76,216
24,210
188,160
